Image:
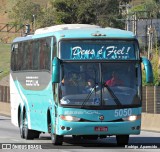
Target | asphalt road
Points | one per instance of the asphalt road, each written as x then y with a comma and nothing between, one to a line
10,138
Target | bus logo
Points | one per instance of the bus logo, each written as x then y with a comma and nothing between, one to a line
101,117
32,81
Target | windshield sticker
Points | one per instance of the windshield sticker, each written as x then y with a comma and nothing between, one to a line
97,51
96,101
109,52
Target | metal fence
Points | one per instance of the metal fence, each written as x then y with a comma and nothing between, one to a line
4,94
151,99
150,103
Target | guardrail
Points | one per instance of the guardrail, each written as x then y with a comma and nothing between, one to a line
150,103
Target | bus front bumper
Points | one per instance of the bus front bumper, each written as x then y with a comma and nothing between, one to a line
98,128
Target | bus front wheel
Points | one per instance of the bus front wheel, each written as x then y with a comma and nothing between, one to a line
122,140
57,139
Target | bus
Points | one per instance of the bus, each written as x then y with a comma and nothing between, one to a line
80,80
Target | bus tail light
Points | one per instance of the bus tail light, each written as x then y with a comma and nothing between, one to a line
132,118
69,118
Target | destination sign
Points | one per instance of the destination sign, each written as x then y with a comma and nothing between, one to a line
110,51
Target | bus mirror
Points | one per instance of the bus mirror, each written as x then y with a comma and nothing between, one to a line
12,48
148,69
56,70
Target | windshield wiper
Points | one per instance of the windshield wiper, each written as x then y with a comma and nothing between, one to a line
88,96
116,100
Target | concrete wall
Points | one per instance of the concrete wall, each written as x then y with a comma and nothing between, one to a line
151,122
5,108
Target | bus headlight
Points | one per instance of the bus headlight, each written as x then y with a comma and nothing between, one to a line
132,118
69,118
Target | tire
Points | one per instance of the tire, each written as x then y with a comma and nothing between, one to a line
35,134
76,137
28,134
21,127
56,139
122,140
90,137
49,128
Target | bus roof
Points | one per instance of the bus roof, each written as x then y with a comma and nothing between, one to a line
64,27
75,31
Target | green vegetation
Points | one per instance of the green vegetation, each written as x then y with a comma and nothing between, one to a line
154,62
149,9
99,12
4,59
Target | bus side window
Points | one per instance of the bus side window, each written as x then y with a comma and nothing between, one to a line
41,59
14,56
30,55
20,56
55,92
35,55
47,53
25,61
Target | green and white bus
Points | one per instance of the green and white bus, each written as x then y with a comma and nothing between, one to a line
50,71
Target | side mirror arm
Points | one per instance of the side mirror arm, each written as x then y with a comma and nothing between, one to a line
148,69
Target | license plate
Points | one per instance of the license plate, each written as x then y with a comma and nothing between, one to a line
101,128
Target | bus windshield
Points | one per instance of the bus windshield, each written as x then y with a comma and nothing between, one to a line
100,84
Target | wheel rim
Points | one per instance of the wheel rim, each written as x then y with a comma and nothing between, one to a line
21,127
53,138
49,128
25,125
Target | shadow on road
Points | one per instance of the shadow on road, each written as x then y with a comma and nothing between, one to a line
5,119
144,140
71,143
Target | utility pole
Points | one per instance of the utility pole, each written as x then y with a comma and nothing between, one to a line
125,10
134,24
150,40
34,23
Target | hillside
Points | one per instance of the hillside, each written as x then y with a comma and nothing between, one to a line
4,59
5,9
6,6
3,16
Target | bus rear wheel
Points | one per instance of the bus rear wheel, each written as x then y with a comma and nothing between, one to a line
122,140
57,139
21,127
29,134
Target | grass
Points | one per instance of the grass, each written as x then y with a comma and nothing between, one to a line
4,60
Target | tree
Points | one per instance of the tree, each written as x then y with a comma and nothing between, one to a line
65,11
101,12
149,9
46,18
22,12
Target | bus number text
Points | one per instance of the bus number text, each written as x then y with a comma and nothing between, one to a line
123,112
